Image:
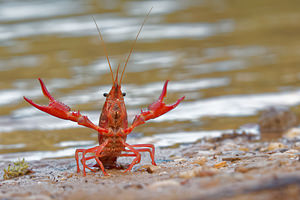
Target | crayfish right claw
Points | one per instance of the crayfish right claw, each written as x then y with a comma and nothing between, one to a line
63,111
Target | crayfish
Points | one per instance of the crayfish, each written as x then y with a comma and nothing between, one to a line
113,125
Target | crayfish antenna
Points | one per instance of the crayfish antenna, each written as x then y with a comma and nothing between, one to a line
104,48
131,50
116,79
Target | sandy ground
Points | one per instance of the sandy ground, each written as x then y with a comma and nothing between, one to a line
231,168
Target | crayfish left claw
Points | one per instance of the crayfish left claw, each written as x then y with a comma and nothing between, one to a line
156,109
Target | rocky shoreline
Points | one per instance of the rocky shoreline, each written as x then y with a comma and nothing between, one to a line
226,168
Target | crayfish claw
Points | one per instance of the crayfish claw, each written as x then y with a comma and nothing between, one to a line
159,107
45,91
61,110
155,110
42,108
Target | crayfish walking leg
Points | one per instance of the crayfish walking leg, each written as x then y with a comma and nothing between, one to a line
97,153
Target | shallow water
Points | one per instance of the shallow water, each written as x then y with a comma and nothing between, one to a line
231,59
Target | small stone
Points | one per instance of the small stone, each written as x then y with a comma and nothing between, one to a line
276,145
40,197
244,149
206,152
242,169
149,168
277,119
292,134
231,158
180,160
229,146
263,149
164,183
297,146
220,165
163,173
134,186
197,172
276,156
152,168
292,151
200,161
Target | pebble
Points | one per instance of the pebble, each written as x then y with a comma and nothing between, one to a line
152,168
134,186
207,153
38,197
197,172
244,149
242,169
292,134
297,146
163,173
149,168
231,158
292,151
283,155
229,146
164,183
180,160
276,145
200,161
277,119
220,165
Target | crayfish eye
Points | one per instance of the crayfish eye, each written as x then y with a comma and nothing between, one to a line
124,94
105,94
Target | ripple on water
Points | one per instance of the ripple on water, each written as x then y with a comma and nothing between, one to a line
159,140
20,10
232,105
113,28
160,7
237,105
141,95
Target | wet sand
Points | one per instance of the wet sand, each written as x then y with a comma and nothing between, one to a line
226,168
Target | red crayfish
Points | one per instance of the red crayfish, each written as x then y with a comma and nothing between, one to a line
113,125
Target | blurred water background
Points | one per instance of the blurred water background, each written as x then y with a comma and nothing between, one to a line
230,58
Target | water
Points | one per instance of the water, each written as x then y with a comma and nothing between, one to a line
230,59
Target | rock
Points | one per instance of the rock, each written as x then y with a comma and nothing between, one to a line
220,165
292,151
229,146
277,119
278,156
134,186
180,160
39,197
197,172
200,161
242,169
149,168
276,145
244,149
297,146
164,183
163,173
292,134
152,168
231,158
